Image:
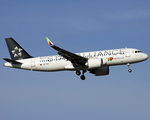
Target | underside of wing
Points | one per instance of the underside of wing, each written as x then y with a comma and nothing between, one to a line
75,59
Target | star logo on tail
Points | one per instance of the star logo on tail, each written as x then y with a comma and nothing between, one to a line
17,52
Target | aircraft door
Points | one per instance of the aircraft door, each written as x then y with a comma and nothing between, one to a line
33,62
127,52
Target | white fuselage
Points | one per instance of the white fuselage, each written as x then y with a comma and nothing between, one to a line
58,63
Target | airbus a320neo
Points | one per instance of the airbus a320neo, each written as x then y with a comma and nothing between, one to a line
96,62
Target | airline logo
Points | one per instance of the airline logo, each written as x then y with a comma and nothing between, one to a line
16,52
110,58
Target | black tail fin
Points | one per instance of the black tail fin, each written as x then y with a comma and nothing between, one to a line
15,50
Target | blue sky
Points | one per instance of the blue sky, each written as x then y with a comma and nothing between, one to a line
77,26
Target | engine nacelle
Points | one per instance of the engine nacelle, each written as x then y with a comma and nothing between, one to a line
100,71
95,63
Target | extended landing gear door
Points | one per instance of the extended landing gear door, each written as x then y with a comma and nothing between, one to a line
33,62
127,52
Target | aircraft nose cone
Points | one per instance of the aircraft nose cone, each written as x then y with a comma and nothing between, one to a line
145,56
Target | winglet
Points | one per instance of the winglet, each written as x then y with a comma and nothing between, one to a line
49,42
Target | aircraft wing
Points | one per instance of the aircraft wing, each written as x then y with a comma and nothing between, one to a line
74,58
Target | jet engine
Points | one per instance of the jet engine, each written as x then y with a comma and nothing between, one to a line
95,63
100,71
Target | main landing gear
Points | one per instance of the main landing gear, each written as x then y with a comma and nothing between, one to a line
79,73
129,70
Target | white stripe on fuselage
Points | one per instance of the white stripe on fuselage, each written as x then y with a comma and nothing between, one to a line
58,63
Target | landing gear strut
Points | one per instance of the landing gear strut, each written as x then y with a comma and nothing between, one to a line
129,70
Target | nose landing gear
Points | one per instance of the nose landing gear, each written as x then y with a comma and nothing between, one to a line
129,70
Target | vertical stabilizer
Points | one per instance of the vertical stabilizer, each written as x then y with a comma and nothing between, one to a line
15,50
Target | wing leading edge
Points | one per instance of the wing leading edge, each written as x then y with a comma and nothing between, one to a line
75,59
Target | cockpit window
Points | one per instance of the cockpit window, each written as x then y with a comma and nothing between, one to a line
138,51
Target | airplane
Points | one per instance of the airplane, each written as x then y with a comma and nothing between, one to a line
96,62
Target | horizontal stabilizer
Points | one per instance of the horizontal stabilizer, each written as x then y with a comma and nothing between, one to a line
11,61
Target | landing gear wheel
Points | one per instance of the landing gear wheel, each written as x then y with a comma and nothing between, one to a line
78,72
129,70
82,77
